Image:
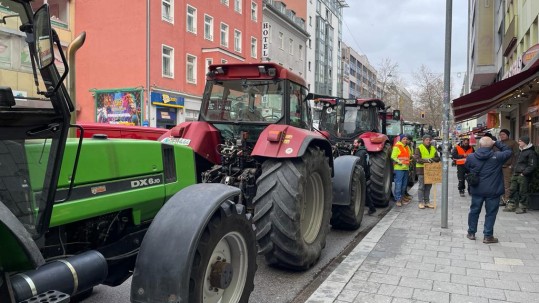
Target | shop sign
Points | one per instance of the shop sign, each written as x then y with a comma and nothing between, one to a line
514,69
530,54
493,120
168,100
533,111
265,39
119,107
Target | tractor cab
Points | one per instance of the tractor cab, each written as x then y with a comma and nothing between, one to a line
345,120
246,98
33,131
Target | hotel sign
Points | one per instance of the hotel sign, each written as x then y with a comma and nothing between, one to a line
265,39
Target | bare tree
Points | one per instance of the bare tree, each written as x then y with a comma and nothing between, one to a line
388,79
429,96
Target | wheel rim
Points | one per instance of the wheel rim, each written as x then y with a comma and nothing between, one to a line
231,249
313,208
387,179
357,202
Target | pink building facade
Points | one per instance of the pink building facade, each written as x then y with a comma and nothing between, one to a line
144,62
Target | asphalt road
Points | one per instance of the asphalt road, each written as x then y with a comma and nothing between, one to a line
277,285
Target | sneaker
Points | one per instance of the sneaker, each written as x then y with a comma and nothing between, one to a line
490,240
405,202
428,205
406,198
509,209
520,211
461,193
470,236
503,201
421,205
399,203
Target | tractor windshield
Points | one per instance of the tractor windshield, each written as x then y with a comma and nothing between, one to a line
356,121
393,127
32,127
243,101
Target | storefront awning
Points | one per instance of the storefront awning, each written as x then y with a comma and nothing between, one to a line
479,102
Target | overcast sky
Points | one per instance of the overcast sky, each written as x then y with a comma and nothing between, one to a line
410,33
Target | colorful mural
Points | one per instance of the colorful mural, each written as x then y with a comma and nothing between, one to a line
119,107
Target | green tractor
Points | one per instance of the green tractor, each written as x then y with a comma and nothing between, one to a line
76,213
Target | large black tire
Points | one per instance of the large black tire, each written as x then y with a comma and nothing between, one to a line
379,183
293,209
349,217
227,246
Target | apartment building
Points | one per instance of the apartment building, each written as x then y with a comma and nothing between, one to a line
503,70
359,75
285,39
147,64
15,62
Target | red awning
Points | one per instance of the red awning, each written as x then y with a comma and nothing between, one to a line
479,102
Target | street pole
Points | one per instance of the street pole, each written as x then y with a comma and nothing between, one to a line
445,122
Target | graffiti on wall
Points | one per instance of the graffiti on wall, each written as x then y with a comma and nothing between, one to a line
119,107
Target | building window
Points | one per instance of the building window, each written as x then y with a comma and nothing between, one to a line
309,65
191,69
300,52
318,6
224,61
58,9
168,61
208,27
225,2
237,40
167,10
253,47
209,61
281,40
191,19
254,11
291,46
224,35
237,5
309,43
310,21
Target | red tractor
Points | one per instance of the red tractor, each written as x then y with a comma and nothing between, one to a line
254,132
348,120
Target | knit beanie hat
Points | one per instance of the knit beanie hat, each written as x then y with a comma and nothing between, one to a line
506,131
401,136
427,137
525,139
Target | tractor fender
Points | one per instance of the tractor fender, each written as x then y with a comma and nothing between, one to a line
343,168
166,255
201,136
285,141
16,241
374,142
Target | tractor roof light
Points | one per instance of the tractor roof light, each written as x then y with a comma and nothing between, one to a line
366,105
272,72
262,69
373,103
219,70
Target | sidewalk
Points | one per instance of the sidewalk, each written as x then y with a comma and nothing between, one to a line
408,257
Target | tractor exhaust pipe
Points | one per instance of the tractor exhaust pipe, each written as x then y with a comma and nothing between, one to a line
70,276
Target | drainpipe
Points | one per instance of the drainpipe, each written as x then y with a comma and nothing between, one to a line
148,115
71,50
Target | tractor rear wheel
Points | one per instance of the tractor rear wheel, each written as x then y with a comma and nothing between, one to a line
379,183
349,217
293,209
225,260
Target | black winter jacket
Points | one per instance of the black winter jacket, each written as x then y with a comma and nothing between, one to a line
491,175
526,161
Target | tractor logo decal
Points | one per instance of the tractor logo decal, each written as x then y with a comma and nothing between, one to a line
98,189
289,150
178,141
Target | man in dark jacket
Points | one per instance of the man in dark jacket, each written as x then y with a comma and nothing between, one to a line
487,164
522,172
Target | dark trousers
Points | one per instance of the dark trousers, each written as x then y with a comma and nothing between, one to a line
491,210
519,192
461,172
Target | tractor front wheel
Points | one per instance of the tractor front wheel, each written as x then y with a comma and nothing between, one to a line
379,183
349,217
225,259
293,209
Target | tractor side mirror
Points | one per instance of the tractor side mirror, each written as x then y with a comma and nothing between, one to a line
6,97
43,37
396,114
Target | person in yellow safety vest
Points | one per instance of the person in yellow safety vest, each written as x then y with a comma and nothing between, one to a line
410,145
424,153
459,154
401,161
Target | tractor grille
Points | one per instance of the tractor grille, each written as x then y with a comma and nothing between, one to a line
169,165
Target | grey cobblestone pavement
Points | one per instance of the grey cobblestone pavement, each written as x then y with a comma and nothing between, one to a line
408,257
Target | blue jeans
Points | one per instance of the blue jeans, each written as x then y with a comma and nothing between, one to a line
491,210
401,182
